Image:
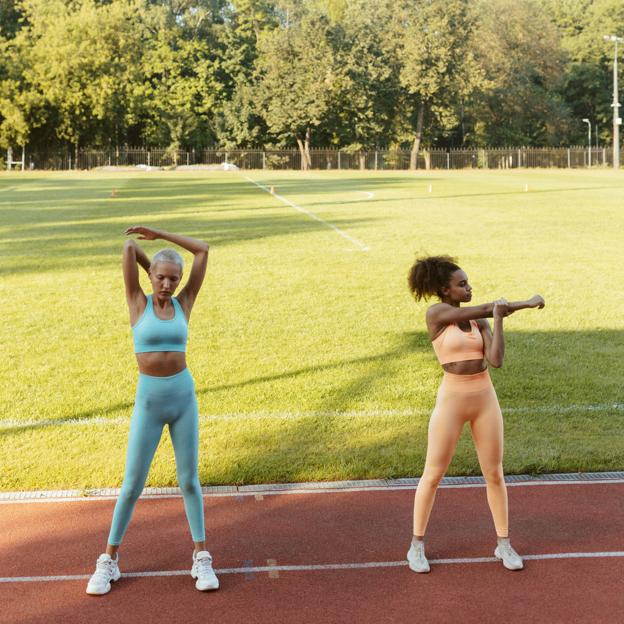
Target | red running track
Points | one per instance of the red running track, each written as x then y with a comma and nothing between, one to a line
353,527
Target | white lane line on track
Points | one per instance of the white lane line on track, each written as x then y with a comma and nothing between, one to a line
75,496
354,241
320,567
379,413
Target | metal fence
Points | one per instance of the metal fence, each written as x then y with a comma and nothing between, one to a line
487,158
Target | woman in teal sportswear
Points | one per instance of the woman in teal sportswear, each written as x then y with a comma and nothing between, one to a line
165,394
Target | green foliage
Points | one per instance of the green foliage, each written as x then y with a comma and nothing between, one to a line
347,73
297,73
519,50
587,78
368,87
438,66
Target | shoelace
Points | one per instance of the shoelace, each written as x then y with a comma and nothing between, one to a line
509,551
419,550
204,565
103,571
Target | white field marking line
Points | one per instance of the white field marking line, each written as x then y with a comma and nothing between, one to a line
380,413
78,498
318,567
368,194
361,246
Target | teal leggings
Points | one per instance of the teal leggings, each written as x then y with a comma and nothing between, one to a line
162,401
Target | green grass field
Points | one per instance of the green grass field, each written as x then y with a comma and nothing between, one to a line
310,358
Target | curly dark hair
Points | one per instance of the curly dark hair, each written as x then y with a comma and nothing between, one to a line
428,275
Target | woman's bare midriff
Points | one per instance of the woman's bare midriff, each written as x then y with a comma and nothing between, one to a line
468,367
161,363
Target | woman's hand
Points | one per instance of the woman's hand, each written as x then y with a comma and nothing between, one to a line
501,309
537,301
144,233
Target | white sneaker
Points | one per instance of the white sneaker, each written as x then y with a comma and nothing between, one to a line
203,572
510,558
416,557
106,571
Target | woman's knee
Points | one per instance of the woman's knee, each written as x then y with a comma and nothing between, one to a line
494,476
130,491
189,483
431,477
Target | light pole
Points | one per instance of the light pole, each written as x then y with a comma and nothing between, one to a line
616,105
588,140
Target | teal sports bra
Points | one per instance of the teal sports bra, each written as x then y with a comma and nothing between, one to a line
151,333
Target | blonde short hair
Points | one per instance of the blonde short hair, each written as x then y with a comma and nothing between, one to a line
168,255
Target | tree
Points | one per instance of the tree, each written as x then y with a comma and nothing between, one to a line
520,52
367,81
438,66
178,92
82,59
296,74
587,74
238,119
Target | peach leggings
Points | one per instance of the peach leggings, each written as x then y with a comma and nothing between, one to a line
461,399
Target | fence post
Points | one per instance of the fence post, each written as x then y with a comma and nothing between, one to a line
569,165
604,156
448,160
187,159
70,161
338,159
375,160
263,159
9,158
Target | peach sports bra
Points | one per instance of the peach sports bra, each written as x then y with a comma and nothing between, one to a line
454,345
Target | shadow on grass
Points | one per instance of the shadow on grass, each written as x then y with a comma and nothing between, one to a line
568,377
103,241
81,418
81,227
379,359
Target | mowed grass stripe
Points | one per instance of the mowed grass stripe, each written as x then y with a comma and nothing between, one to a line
289,323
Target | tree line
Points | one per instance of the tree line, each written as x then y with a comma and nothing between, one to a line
353,74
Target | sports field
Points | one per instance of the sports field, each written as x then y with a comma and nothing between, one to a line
311,360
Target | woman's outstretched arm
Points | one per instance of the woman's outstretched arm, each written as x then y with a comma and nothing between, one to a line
446,314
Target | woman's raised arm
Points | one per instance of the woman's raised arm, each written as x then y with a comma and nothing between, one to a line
133,256
197,247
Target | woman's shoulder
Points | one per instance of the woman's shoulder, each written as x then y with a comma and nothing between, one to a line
435,309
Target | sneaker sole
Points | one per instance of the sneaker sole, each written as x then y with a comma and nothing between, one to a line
205,588
115,578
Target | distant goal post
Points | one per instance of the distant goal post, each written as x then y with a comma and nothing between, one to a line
10,162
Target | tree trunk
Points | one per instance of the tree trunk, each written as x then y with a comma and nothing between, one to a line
418,137
362,156
76,156
307,148
304,161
